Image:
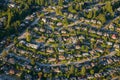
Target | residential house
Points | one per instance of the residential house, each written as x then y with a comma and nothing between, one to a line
98,22
99,50
51,59
109,43
49,50
59,24
11,5
114,36
61,57
35,46
85,54
116,45
77,46
93,21
11,60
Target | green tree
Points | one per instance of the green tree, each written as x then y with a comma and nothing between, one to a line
83,71
108,8
102,18
91,72
15,40
60,2
77,7
4,53
90,14
28,36
65,21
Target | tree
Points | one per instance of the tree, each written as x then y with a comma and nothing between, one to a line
94,13
81,8
28,36
9,16
91,72
60,2
4,53
70,9
77,7
65,21
83,71
102,18
90,14
39,74
15,40
108,8
32,61
58,11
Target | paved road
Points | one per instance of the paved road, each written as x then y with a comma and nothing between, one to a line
109,22
35,22
79,62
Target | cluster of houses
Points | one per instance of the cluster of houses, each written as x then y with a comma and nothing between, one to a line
12,59
53,45
67,39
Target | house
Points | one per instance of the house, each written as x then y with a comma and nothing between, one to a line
44,20
49,50
77,27
77,55
116,45
59,24
87,21
11,5
28,18
22,24
93,21
92,64
99,33
106,34
61,50
76,17
63,32
92,52
98,22
70,16
77,47
11,72
51,59
118,9
114,36
109,43
50,40
74,39
92,31
57,70
81,37
99,50
85,54
22,42
111,26
35,46
42,30
118,29
109,61
61,57
28,66
82,19
97,75
11,60
54,18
